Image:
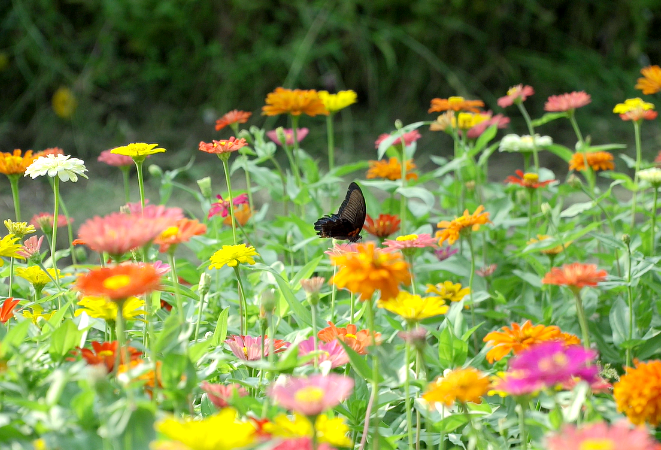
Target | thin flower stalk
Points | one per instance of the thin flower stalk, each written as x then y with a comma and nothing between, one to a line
654,210
402,198
639,157
582,320
589,172
628,355
224,158
531,130
243,307
407,395
375,377
523,435
470,287
56,197
294,125
13,182
175,286
141,184
65,212
127,187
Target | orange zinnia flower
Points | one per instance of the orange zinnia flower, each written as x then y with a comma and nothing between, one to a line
7,309
638,393
148,376
49,151
518,338
455,104
383,226
182,231
391,170
575,276
356,340
14,163
106,353
119,282
242,215
596,160
232,117
651,81
371,269
459,385
527,180
224,146
466,223
294,102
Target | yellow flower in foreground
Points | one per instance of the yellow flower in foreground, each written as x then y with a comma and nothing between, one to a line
459,385
102,308
232,255
137,150
549,251
638,393
9,248
632,104
19,229
336,102
448,291
219,432
452,230
331,431
414,308
36,314
36,276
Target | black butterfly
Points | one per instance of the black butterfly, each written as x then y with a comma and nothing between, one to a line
349,220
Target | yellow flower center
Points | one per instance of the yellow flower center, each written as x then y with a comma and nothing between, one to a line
349,335
531,177
526,140
597,444
170,232
105,353
116,282
556,360
408,237
455,100
309,394
245,351
513,90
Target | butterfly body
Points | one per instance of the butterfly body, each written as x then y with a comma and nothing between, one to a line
348,222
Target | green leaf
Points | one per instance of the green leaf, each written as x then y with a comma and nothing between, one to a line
357,361
561,151
168,335
577,208
306,271
301,313
485,138
619,320
418,193
451,423
14,337
220,333
548,117
64,339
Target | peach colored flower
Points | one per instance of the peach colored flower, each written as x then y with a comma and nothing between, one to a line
567,102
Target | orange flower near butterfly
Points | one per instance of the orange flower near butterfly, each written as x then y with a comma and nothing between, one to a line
451,231
356,340
575,276
383,226
391,169
596,160
371,269
455,104
231,118
120,282
14,163
650,83
182,231
517,338
242,215
294,102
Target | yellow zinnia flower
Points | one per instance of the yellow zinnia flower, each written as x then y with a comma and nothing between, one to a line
36,276
414,308
459,385
232,255
137,150
448,291
19,229
102,308
36,314
331,431
632,104
466,120
336,102
219,432
9,248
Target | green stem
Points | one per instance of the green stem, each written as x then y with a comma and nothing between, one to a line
352,307
243,307
531,130
470,288
121,336
402,198
331,142
294,126
315,340
224,158
636,128
141,184
56,196
375,375
69,229
127,186
628,353
656,197
13,181
407,396
199,316
523,436
248,184
11,275
531,203
175,286
582,319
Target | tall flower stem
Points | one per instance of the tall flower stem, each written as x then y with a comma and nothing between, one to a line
175,286
653,237
315,339
121,336
636,128
13,181
243,307
127,186
294,126
11,275
65,212
407,395
224,157
628,357
331,142
141,184
199,315
375,376
352,307
523,435
531,130
470,288
402,198
582,320
531,202
56,197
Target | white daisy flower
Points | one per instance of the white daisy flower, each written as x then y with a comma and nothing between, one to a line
516,143
652,176
65,167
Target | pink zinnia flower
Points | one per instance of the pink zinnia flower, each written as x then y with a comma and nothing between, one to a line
289,135
598,386
224,146
249,348
409,138
161,268
444,253
116,160
486,271
31,247
499,120
219,394
313,395
341,249
516,94
302,443
45,221
601,435
410,241
332,351
222,207
567,102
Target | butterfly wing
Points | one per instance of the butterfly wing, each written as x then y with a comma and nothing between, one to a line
349,220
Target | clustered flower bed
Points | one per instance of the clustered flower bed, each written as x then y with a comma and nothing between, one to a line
477,314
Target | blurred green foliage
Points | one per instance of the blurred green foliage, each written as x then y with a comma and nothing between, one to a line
163,70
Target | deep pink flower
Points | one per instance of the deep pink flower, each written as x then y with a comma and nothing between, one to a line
249,348
313,395
161,267
567,102
45,221
603,436
516,94
222,207
302,443
219,394
410,241
333,352
444,253
31,247
341,249
500,120
289,135
113,159
409,138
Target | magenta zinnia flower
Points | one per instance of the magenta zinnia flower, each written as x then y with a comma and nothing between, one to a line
113,159
409,138
444,253
289,135
410,241
481,127
332,351
31,247
219,394
222,207
603,436
516,94
302,443
567,102
313,395
249,348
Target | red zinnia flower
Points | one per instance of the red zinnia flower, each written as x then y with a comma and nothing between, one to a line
567,102
575,276
232,117
516,94
106,353
7,309
383,226
527,180
225,146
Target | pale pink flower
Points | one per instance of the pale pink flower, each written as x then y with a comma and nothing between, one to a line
289,135
332,351
222,207
113,159
45,221
31,247
409,138
410,241
249,348
601,435
313,395
516,94
312,285
341,249
161,268
219,394
567,102
486,271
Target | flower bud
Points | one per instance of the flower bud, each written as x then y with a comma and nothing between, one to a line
205,284
205,186
267,301
280,133
398,124
546,209
312,287
470,185
574,181
626,239
155,171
